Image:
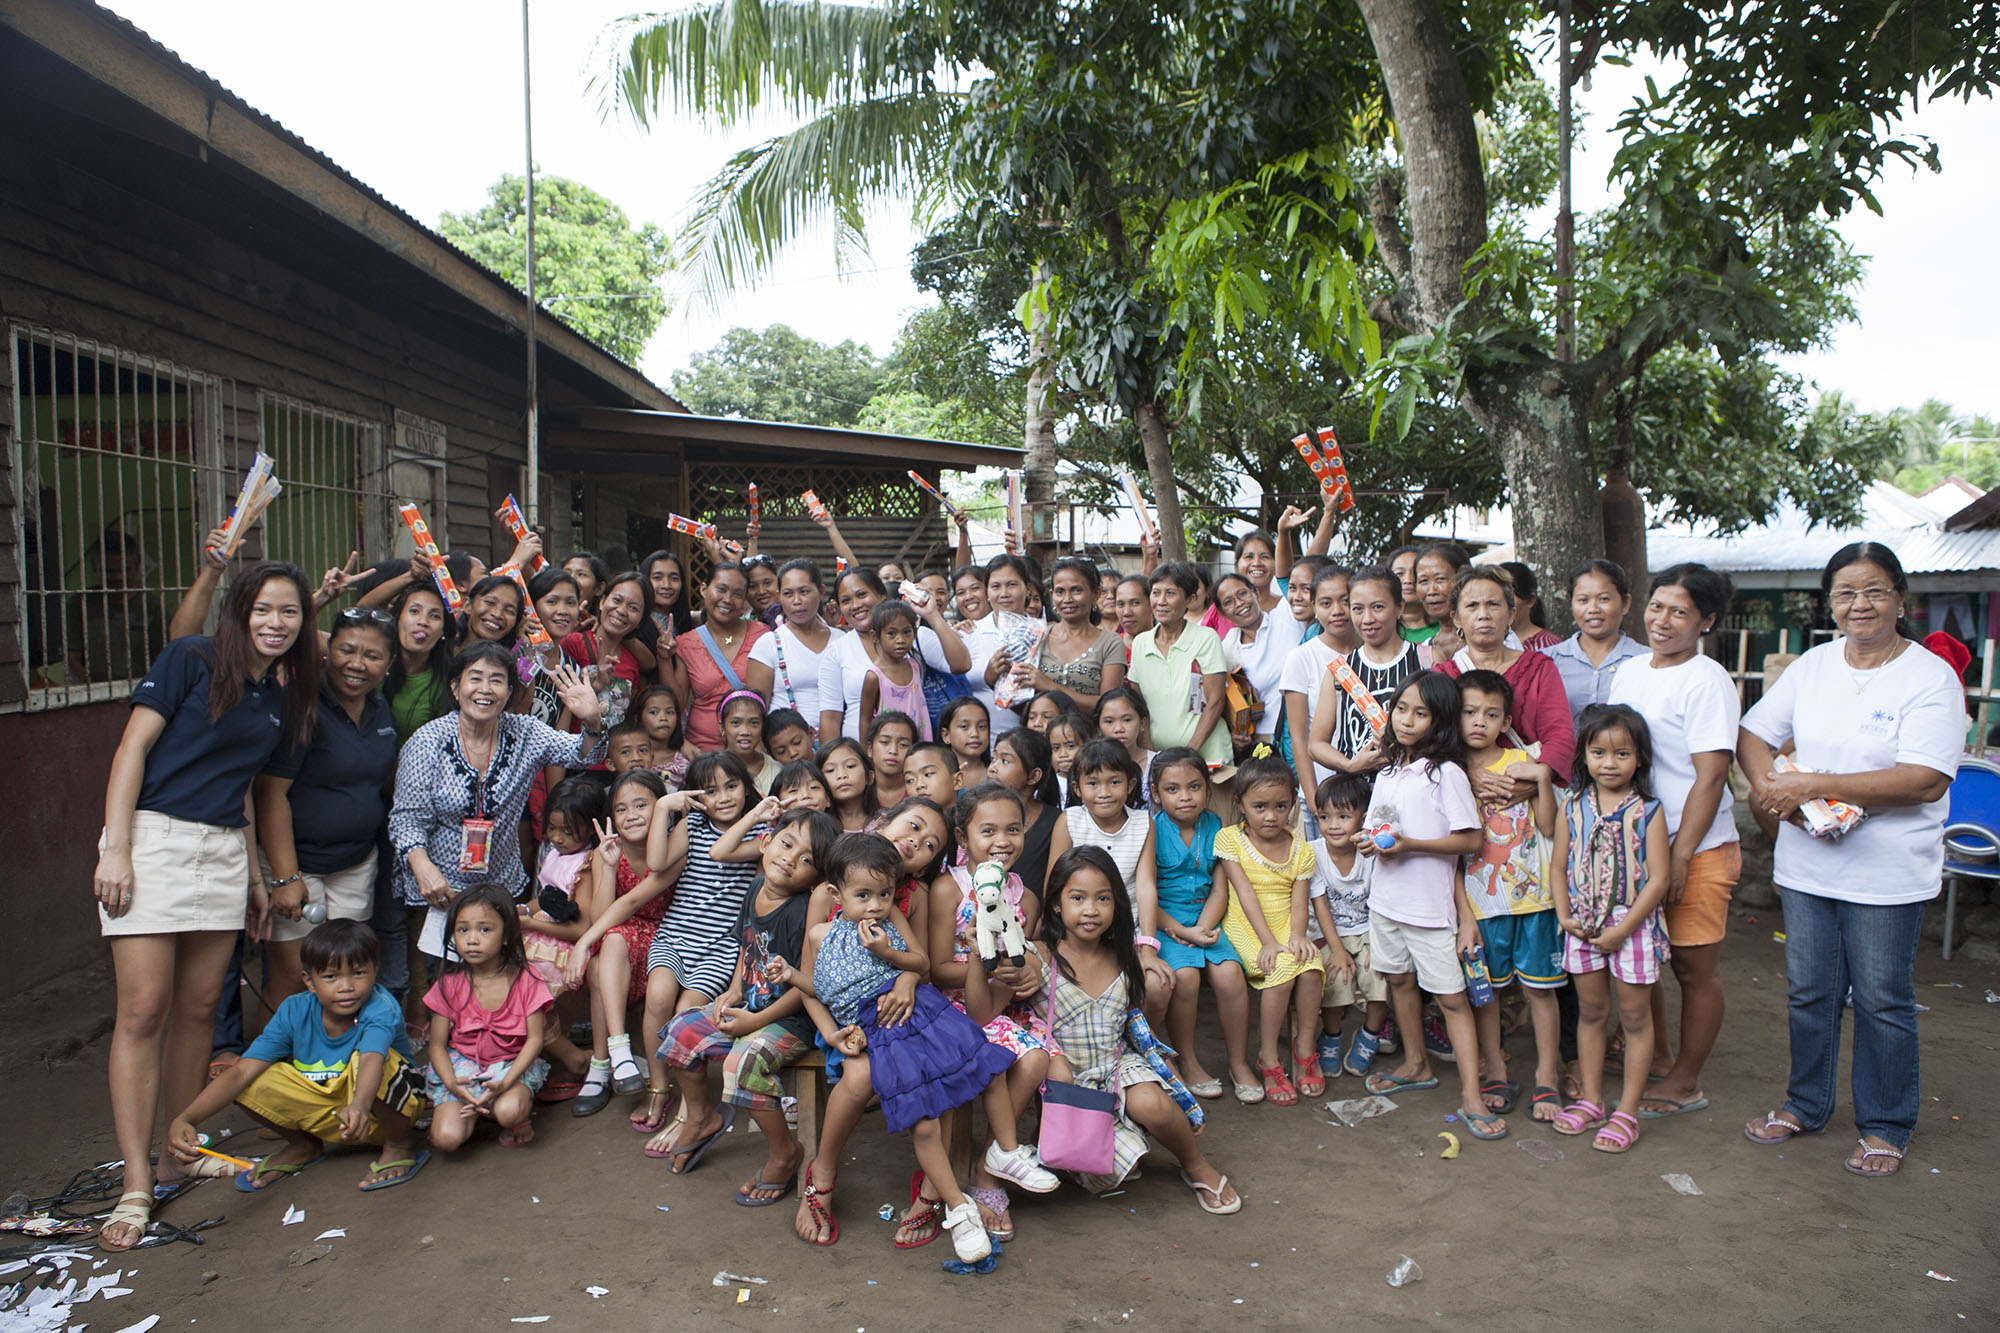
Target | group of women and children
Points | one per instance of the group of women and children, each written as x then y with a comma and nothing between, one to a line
987,856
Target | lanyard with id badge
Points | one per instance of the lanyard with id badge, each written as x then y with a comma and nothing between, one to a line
476,832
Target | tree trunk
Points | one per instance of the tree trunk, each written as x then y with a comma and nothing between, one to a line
1038,467
1152,423
1538,418
1624,516
1446,187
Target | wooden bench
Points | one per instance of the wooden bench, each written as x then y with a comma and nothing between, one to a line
806,1078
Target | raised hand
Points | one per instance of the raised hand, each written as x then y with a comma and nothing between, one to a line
576,694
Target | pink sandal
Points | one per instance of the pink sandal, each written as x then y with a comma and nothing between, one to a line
1618,1134
1579,1117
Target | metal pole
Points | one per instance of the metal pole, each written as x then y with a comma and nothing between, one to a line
1565,219
533,487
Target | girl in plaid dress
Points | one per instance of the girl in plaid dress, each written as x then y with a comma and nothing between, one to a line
1095,980
1613,847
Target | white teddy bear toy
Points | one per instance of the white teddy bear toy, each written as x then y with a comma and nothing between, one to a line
996,925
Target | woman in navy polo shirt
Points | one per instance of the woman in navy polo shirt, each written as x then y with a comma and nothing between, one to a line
321,807
175,877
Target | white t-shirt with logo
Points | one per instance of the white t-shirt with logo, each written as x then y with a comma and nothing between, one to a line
1690,708
1908,711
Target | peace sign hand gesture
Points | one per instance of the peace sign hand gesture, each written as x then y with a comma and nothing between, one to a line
607,842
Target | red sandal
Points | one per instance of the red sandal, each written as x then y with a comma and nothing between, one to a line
811,1196
1278,1089
1305,1069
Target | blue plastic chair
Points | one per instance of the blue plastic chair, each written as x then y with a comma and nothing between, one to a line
1971,829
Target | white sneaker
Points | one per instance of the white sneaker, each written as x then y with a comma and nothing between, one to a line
968,1234
1023,1167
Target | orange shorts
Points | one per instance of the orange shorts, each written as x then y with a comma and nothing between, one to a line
1702,914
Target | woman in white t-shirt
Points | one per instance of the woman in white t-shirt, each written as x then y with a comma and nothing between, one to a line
1690,706
1299,688
1257,643
792,651
1878,722
844,664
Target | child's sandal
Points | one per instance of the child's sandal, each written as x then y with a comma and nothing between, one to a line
1278,1089
1311,1083
1618,1134
651,1117
1579,1117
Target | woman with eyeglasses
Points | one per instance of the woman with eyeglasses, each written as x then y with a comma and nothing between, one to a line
322,806
1691,707
1878,722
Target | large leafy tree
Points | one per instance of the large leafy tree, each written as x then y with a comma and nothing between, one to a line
595,270
1717,255
779,374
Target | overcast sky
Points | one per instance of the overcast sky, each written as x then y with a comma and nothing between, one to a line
422,101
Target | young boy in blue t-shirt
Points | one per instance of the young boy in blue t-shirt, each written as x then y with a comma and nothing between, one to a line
322,1070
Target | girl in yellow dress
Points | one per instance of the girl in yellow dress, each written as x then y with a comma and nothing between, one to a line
1270,872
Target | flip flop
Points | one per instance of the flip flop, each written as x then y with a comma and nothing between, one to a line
1700,1103
1509,1093
1204,1193
1773,1121
697,1150
1543,1095
517,1136
1386,1083
748,1199
1859,1166
377,1182
247,1182
1473,1125
997,1203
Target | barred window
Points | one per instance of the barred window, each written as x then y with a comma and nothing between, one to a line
125,461
118,454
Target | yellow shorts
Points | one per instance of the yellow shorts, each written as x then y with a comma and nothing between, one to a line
290,1100
1702,914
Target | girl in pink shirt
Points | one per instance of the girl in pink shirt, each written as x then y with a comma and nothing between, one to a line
487,1017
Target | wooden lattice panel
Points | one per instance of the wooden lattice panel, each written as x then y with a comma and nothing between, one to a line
721,490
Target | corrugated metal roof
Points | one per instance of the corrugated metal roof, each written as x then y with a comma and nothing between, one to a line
1790,544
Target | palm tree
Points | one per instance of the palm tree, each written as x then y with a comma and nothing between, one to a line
872,129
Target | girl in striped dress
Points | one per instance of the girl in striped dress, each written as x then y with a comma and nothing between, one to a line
1093,972
1613,851
1103,783
694,950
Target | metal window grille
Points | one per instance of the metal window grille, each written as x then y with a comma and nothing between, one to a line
117,455
330,465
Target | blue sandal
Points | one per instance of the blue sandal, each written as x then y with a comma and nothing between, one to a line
1474,1123
1380,1084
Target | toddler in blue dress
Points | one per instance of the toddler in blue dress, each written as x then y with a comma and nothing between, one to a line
928,1061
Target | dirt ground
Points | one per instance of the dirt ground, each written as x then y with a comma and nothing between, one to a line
1779,1238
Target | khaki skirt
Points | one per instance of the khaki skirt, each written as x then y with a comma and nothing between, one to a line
185,876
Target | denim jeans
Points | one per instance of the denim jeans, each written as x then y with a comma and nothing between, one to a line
1831,946
392,927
